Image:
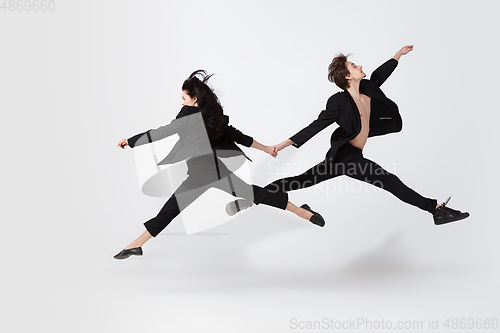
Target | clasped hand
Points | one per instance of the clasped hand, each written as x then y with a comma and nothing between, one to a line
273,150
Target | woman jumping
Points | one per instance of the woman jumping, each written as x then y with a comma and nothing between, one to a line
204,136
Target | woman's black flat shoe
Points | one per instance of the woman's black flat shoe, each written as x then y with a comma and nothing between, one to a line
316,218
124,254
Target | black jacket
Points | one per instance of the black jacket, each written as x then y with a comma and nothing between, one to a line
193,138
341,108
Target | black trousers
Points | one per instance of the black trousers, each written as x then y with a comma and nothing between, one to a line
207,172
349,161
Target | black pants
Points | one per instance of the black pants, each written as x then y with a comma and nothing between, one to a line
349,161
207,172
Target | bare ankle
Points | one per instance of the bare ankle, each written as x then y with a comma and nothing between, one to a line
131,246
305,214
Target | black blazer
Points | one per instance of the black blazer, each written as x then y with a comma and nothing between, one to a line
341,108
193,138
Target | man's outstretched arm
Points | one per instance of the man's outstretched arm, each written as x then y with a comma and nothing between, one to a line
385,70
325,119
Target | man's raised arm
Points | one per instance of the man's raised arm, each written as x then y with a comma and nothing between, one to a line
385,70
404,50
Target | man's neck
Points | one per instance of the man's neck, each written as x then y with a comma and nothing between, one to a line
354,89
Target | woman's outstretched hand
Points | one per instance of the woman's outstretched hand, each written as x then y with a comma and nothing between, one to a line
266,149
123,143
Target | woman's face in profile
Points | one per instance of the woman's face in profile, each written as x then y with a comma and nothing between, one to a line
187,100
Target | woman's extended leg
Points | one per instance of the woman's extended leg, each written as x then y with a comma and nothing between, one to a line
140,241
256,194
192,188
301,212
168,212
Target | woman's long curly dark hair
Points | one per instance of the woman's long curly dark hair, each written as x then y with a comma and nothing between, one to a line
208,103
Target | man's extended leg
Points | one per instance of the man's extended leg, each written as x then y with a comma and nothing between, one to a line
315,175
368,171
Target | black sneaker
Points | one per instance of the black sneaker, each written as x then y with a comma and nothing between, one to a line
445,214
316,218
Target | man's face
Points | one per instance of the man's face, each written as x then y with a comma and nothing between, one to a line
355,71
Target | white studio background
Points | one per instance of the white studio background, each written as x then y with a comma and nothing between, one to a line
78,79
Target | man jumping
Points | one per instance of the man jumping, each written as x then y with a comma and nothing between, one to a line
361,110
